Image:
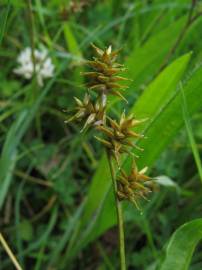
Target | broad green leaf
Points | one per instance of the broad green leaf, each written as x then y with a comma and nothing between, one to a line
191,38
169,119
146,60
145,21
100,200
182,245
160,90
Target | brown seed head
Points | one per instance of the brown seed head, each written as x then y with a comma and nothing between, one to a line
93,113
134,186
120,134
104,77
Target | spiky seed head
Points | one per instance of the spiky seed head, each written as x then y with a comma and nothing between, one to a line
120,136
103,78
133,187
91,112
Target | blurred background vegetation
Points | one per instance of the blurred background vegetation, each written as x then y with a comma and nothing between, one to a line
57,209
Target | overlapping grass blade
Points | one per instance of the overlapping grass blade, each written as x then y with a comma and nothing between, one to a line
3,20
182,245
14,136
145,61
190,134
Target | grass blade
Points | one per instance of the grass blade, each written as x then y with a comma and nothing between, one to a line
14,136
181,246
190,134
3,21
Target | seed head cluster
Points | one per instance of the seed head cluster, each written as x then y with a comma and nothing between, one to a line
92,112
104,78
117,136
134,186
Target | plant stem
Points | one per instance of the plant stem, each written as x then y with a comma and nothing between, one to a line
9,252
119,215
32,31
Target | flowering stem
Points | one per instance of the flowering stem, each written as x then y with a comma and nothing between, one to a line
119,215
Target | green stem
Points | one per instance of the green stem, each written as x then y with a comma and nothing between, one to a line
119,215
32,32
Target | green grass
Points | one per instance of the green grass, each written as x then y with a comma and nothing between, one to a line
190,134
56,203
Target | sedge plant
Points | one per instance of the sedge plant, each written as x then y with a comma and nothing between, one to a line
116,135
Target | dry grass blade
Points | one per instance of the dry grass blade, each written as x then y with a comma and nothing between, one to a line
9,252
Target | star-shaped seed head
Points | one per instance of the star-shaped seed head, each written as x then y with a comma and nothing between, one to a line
134,186
104,77
92,113
119,135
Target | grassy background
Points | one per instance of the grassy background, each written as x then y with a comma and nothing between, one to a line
56,205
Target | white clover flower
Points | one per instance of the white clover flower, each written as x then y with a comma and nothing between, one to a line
44,67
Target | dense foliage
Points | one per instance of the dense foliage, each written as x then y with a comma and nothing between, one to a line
56,201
